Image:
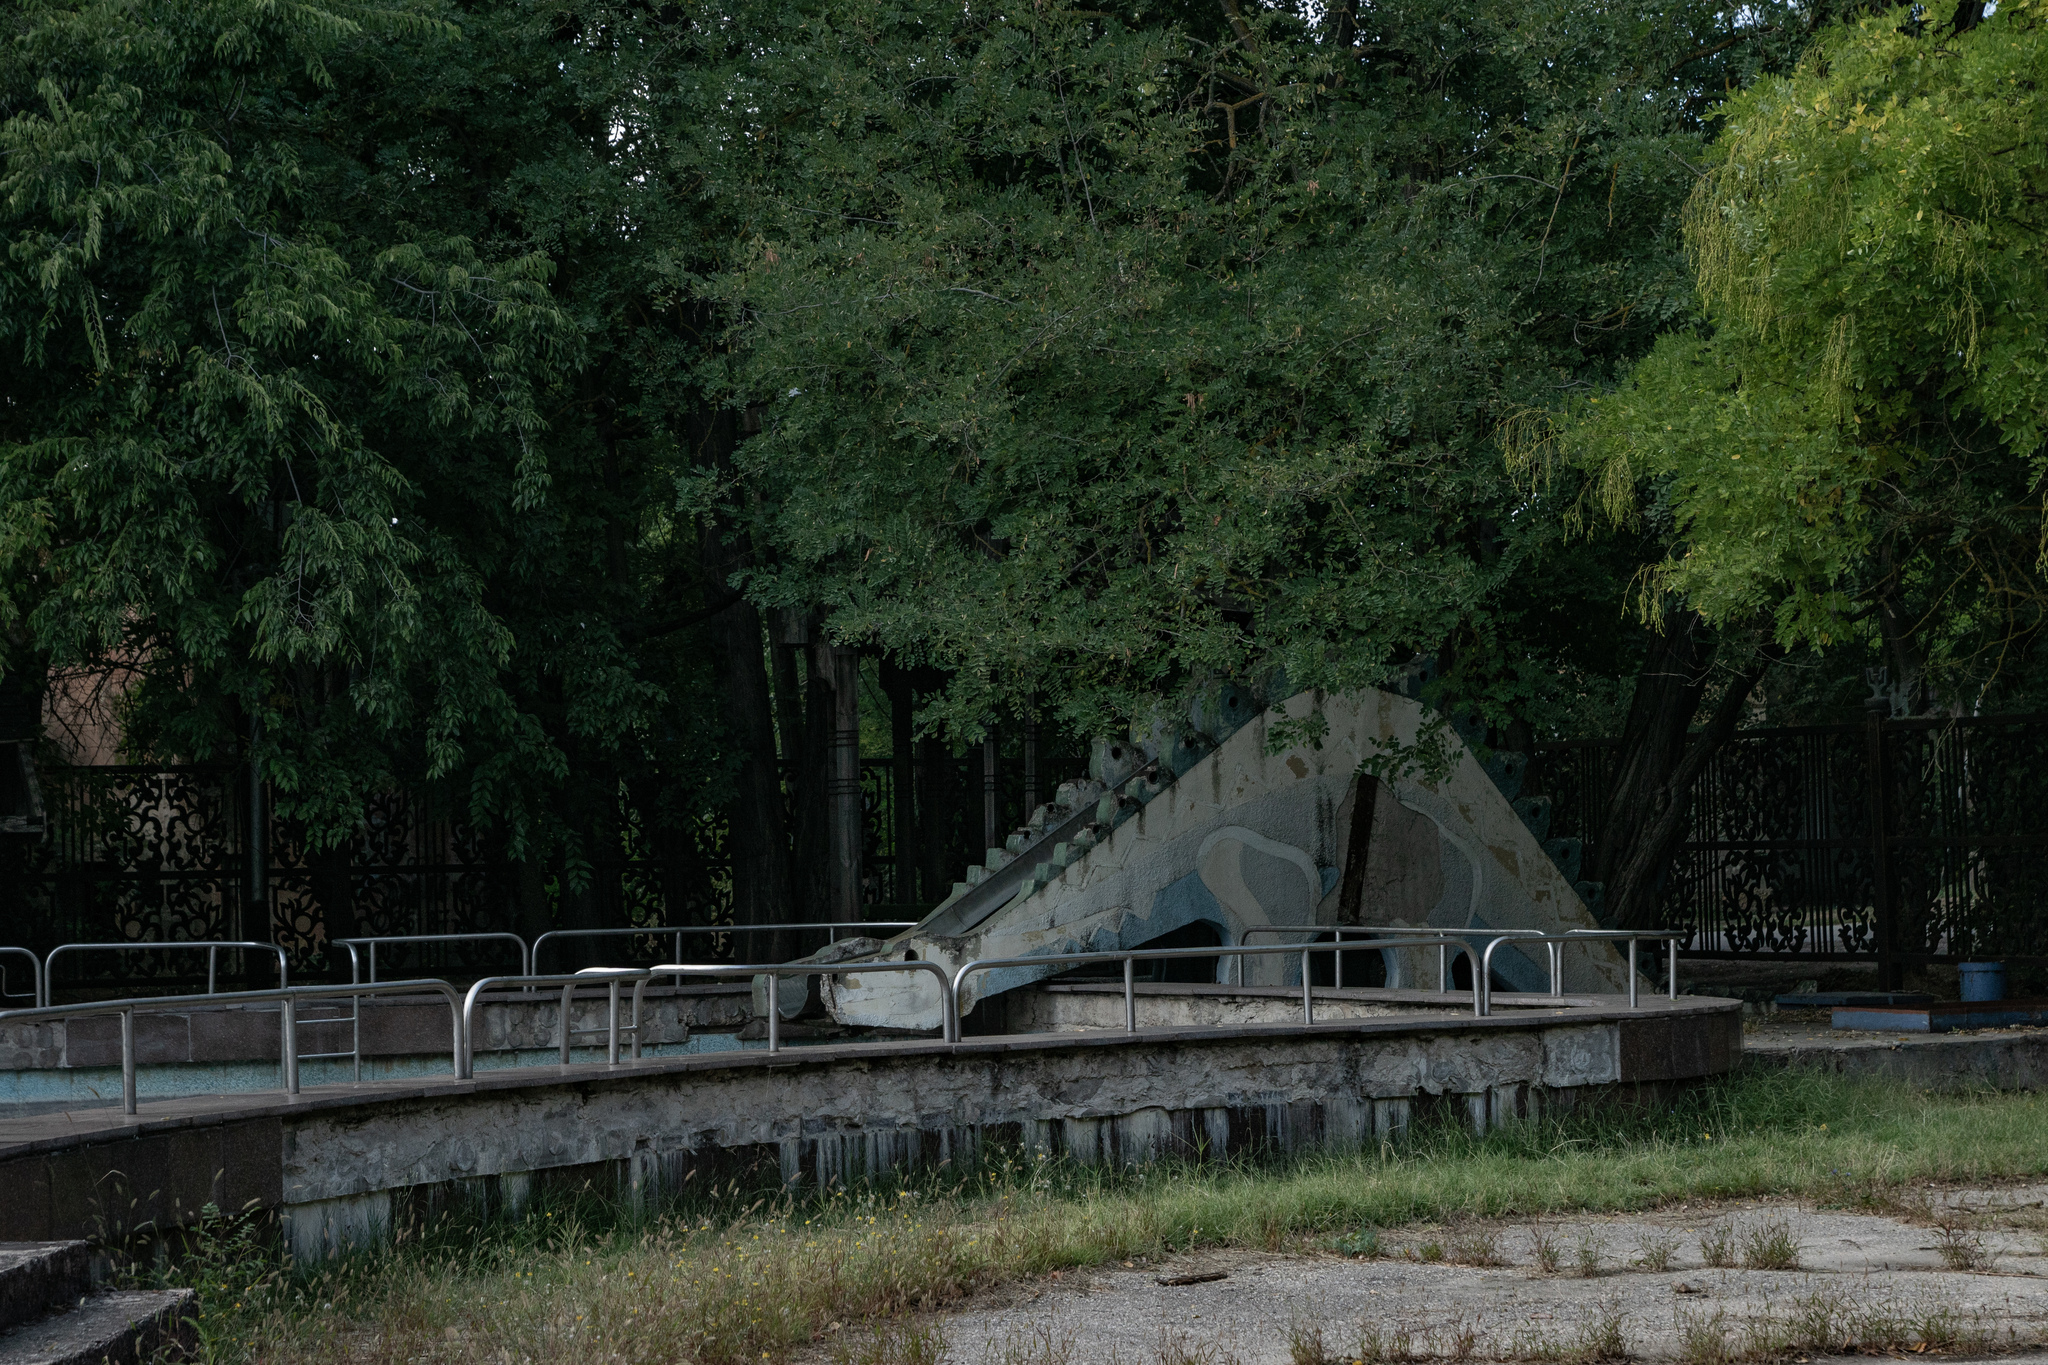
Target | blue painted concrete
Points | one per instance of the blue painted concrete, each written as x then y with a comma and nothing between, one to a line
86,1087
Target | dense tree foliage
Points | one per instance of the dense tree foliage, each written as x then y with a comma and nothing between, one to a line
319,416
439,394
1852,438
1105,353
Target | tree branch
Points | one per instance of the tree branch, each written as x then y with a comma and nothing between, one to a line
1700,54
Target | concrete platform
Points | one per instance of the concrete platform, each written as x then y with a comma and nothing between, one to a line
1976,1059
340,1162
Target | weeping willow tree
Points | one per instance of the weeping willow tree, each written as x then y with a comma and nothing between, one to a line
1847,449
1853,439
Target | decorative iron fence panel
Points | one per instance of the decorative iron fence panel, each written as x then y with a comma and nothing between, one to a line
140,855
1782,857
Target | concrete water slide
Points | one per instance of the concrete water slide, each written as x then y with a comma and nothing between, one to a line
1205,833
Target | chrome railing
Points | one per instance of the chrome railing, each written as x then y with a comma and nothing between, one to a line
949,1015
569,982
35,978
1557,943
355,974
355,965
287,998
462,1008
1130,957
1443,955
212,946
834,929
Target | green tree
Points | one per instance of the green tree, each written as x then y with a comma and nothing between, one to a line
322,410
1853,436
1103,354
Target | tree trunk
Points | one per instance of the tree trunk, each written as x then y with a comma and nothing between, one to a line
1643,821
758,843
896,684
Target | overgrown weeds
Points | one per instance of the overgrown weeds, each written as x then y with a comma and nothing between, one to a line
1770,1245
1961,1249
731,1272
1831,1322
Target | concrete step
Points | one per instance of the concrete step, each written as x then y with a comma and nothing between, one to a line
122,1327
38,1278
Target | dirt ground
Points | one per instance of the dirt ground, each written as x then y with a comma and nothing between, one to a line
1956,1272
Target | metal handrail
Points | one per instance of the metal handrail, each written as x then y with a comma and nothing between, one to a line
949,1014
1557,942
1443,956
533,962
213,947
612,976
355,963
286,996
35,976
354,1017
1129,957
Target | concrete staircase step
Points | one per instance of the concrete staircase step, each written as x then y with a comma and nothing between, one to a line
37,1278
122,1327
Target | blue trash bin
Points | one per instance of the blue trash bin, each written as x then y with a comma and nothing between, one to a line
1982,980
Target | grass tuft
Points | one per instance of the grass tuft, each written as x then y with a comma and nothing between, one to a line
1770,1245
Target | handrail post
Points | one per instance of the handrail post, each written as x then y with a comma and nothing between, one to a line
212,956
287,1007
1308,997
639,991
1130,996
1556,969
1632,1004
373,962
1443,969
568,993
774,1015
128,1062
611,1042
1671,965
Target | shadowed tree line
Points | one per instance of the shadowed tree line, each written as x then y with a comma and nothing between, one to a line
548,407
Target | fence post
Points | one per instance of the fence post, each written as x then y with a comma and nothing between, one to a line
1881,870
1875,710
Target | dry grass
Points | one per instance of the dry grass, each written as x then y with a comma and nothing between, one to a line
1591,1250
1770,1245
1657,1251
1832,1322
741,1274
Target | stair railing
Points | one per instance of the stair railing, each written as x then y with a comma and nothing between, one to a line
35,978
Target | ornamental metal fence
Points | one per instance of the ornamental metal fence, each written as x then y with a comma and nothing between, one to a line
138,855
1899,841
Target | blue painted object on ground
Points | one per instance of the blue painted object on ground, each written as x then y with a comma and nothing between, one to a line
1943,1018
1982,981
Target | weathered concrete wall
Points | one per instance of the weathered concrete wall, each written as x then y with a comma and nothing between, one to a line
1062,1006
335,1162
1247,838
2015,1059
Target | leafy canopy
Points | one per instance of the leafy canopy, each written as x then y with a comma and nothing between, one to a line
1106,353
1858,425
